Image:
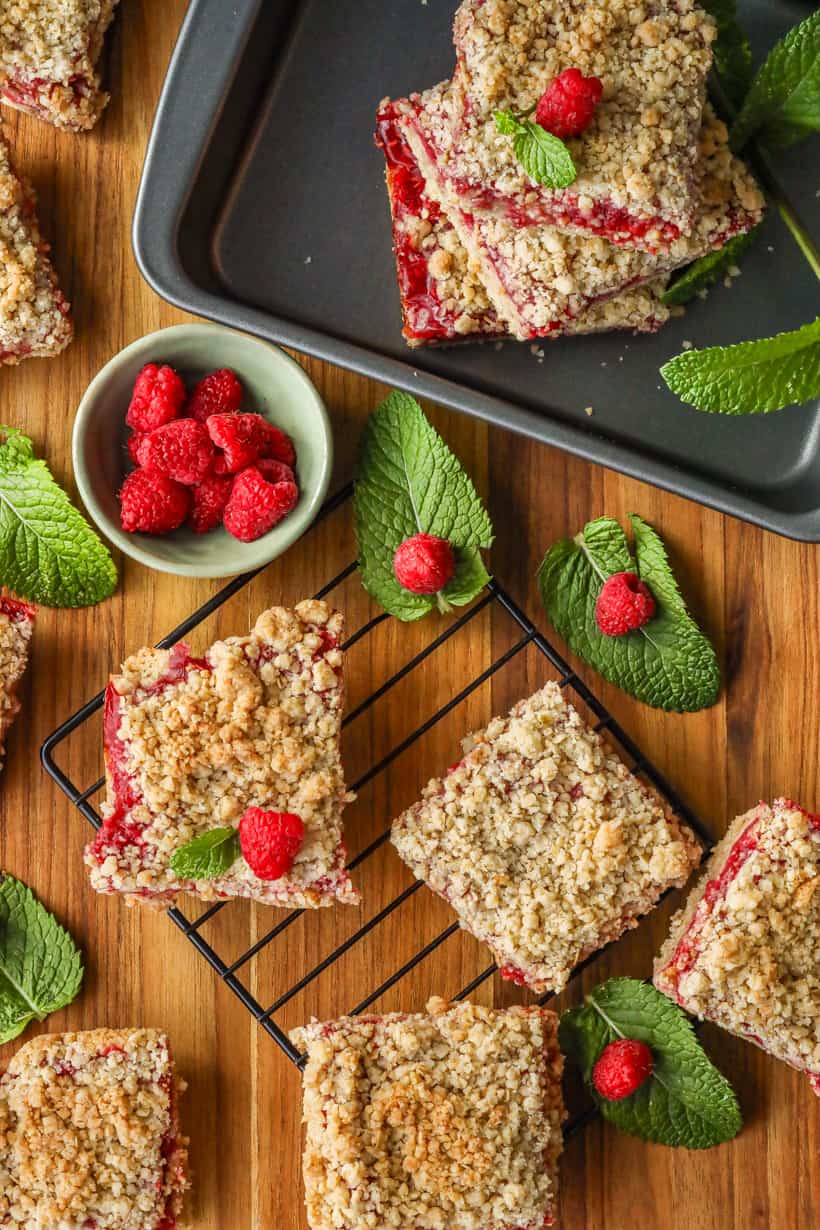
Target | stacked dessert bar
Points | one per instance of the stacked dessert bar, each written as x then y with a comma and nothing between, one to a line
482,250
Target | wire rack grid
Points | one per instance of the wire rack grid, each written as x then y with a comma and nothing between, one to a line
231,971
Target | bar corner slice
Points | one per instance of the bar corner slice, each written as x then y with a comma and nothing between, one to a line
543,842
16,629
743,953
449,1118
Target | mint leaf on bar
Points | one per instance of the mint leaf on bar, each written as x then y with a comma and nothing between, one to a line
544,157
207,856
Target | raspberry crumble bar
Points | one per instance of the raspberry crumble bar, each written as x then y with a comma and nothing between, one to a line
89,1134
16,627
449,1120
744,951
48,59
34,316
543,842
191,743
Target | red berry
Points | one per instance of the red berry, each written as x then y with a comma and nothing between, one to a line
275,471
568,104
622,1067
157,398
220,466
256,506
246,437
208,500
152,503
624,604
270,841
134,441
181,449
217,393
424,564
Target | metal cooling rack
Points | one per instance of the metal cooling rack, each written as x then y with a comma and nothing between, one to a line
232,972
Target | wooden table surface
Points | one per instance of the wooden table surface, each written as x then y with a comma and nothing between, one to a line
757,595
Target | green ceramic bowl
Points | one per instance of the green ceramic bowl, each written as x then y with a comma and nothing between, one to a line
274,385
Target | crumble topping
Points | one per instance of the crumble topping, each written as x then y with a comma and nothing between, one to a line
638,153
89,1135
191,743
34,317
48,58
449,1120
16,628
543,842
743,952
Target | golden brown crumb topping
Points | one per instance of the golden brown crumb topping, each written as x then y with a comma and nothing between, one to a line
89,1133
444,1121
256,724
543,842
48,58
743,953
15,637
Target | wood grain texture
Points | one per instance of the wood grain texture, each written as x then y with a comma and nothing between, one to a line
756,594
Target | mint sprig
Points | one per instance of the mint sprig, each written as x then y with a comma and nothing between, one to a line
40,965
731,50
544,157
706,271
685,1101
206,856
750,377
783,102
48,551
668,663
409,482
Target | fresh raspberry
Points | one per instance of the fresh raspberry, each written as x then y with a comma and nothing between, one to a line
220,466
181,449
217,393
275,471
134,441
244,438
424,564
624,604
208,500
256,506
568,103
270,841
152,503
622,1067
157,398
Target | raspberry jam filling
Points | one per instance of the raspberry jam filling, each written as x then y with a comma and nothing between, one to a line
18,612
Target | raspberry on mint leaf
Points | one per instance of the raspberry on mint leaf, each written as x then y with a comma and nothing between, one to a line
624,1065
424,564
157,398
270,841
568,104
624,604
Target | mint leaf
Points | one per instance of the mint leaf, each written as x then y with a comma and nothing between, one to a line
408,481
731,50
40,965
668,663
706,271
48,551
685,1101
751,377
544,157
783,102
207,856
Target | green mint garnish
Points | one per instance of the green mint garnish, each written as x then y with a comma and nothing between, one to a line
207,856
48,551
706,271
685,1101
731,50
783,102
408,482
668,663
40,965
544,157
751,377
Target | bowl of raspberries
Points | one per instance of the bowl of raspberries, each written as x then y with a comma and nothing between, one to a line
201,451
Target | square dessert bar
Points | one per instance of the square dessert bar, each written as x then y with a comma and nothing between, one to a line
443,299
89,1133
543,842
744,951
34,316
191,743
635,161
449,1120
16,628
48,59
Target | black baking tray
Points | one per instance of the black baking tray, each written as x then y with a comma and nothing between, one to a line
262,206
